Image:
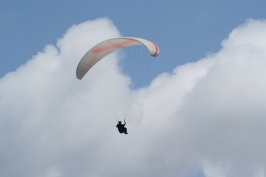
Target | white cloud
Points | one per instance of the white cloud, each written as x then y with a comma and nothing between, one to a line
211,111
225,115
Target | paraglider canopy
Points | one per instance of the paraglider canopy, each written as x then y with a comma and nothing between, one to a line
104,48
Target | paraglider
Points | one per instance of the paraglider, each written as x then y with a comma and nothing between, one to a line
99,51
121,127
104,48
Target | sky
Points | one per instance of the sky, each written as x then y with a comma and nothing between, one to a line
198,111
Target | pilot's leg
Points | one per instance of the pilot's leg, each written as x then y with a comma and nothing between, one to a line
125,130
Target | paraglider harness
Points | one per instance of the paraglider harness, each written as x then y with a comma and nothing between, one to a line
121,127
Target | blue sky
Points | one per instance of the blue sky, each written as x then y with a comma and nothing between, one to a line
184,29
200,113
